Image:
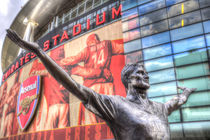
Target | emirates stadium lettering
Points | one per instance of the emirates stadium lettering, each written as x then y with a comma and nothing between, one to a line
57,39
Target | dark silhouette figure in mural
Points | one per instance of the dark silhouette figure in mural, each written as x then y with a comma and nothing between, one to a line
132,118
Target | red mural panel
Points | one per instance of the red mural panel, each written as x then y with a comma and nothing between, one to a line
94,60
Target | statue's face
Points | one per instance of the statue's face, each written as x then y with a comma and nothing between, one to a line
139,78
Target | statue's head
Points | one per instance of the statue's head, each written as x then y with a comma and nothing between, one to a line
92,40
135,76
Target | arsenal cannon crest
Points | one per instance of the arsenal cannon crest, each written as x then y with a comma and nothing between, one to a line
27,100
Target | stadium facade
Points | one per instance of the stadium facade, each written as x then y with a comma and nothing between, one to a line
170,37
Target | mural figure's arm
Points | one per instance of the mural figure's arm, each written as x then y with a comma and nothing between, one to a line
117,47
73,60
179,100
91,72
55,70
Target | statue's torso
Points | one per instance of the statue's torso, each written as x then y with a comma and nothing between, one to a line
136,121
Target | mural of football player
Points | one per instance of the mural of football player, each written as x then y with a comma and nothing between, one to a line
10,121
57,98
96,70
2,109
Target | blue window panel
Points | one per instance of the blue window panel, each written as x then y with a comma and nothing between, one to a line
155,39
157,4
162,90
192,71
143,1
197,129
160,63
163,99
198,99
205,13
209,51
132,46
128,4
153,17
172,2
130,14
174,117
187,31
199,83
162,76
208,39
204,3
161,50
176,131
206,26
190,57
188,44
196,114
189,5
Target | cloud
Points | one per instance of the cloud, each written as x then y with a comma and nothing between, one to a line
4,7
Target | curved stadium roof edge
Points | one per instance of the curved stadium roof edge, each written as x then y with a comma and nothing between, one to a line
40,11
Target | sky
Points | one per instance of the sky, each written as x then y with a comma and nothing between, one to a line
8,11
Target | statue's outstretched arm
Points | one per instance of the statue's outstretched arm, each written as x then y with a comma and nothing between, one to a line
55,70
176,102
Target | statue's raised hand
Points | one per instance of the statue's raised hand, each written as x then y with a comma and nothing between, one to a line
30,46
187,90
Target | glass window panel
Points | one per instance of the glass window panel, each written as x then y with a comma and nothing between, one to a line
162,89
208,39
197,129
206,26
196,114
160,63
127,4
153,17
130,14
176,131
154,28
205,13
174,117
132,46
209,51
155,39
204,3
157,51
190,57
143,1
198,99
186,31
151,6
172,2
192,71
187,19
199,83
162,76
162,99
131,35
131,24
190,5
188,44
133,57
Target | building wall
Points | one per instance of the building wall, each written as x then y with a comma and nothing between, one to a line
171,38
59,114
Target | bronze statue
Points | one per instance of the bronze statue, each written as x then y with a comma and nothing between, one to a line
132,118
